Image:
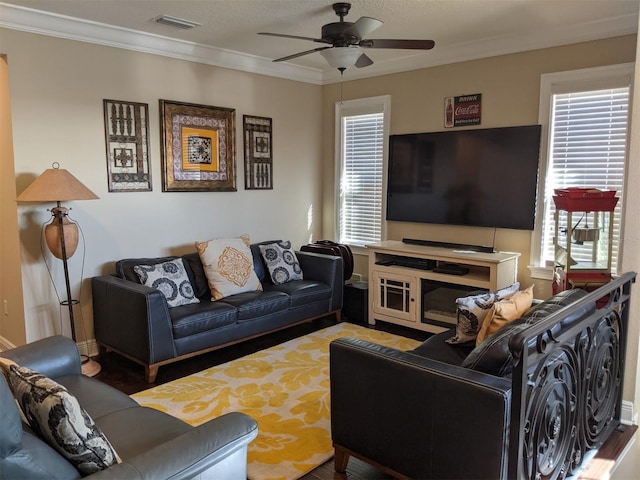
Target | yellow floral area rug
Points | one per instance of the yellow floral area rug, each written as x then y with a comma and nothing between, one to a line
285,388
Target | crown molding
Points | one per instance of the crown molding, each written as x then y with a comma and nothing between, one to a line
70,28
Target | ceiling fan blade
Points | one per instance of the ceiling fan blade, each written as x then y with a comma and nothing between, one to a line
296,55
319,40
363,61
401,44
363,27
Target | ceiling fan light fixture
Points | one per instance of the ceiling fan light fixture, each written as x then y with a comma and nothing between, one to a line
177,22
341,57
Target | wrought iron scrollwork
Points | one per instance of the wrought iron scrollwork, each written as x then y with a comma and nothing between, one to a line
549,433
571,399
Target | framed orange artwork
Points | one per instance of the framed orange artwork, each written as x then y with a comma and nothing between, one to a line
198,147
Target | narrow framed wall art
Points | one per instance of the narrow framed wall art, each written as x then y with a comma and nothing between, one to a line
126,127
258,160
198,147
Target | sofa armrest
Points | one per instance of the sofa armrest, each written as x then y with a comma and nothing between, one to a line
193,452
417,416
132,318
53,357
327,269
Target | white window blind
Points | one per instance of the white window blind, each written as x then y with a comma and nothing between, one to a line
363,142
588,143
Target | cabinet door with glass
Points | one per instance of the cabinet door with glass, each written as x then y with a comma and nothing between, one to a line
395,295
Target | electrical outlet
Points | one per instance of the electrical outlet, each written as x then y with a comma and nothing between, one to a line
5,304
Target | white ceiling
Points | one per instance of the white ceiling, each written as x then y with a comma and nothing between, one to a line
461,29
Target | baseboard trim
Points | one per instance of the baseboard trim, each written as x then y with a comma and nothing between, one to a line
627,414
88,348
5,344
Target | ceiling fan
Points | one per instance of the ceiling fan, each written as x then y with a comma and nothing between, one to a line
346,39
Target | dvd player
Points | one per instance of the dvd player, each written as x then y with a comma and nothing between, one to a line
409,263
451,269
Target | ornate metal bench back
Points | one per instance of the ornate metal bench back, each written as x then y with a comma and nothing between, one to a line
567,383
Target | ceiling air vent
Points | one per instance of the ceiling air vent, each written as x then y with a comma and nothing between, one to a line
177,22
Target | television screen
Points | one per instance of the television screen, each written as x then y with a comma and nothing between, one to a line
484,177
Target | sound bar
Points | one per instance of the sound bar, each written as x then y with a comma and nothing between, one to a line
455,246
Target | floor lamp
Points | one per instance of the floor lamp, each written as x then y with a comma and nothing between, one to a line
61,235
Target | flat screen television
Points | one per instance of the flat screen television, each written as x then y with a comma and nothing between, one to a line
483,177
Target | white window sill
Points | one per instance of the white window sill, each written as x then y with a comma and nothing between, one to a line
542,273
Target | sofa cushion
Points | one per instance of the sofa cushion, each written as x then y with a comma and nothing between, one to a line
11,433
258,304
493,355
57,416
505,311
152,428
281,261
196,274
35,460
302,292
473,309
171,279
228,265
207,315
437,348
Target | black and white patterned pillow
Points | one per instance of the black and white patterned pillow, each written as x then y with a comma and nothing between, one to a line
281,262
473,309
171,279
55,415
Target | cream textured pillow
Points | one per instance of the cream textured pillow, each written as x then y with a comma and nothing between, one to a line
228,266
505,311
57,416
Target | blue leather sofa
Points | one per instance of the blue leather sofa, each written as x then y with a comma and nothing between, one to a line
135,321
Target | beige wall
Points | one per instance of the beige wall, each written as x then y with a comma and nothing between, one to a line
510,88
11,303
631,246
57,91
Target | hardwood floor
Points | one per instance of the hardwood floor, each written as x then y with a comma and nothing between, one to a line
128,377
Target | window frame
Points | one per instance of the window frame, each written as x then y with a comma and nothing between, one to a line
362,106
611,76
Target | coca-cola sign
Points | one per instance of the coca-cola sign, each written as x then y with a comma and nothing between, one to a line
462,110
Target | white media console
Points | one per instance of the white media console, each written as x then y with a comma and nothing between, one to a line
416,285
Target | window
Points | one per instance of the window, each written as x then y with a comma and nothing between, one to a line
362,137
585,118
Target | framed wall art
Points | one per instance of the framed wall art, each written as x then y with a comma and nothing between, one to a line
126,128
198,147
258,161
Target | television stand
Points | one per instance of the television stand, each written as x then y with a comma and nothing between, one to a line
455,246
416,285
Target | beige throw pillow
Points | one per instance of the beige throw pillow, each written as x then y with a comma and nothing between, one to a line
505,311
228,266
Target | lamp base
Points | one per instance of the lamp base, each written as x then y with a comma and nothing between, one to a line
89,367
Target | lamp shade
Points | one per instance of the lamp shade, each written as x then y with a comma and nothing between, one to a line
56,185
341,57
